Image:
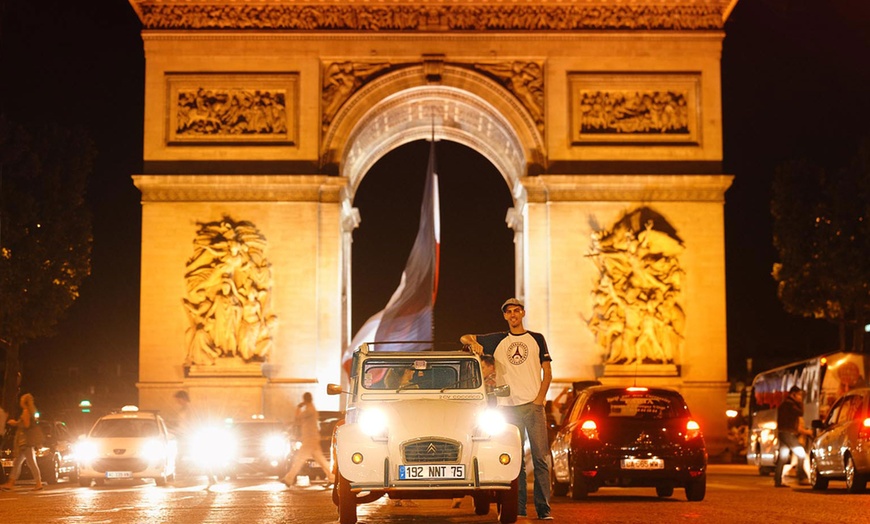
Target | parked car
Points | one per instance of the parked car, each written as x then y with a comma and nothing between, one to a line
629,437
262,447
127,444
841,449
419,425
55,457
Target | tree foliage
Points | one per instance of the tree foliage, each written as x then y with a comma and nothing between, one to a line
822,236
45,231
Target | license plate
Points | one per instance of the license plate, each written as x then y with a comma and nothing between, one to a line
119,474
7,463
432,471
652,463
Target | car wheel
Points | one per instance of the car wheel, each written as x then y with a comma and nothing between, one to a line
51,472
509,504
84,482
481,503
762,470
559,489
577,483
346,502
855,483
816,479
664,491
696,488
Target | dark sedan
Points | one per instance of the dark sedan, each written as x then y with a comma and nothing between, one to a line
629,437
263,447
55,457
841,450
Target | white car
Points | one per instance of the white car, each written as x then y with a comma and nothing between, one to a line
125,445
419,425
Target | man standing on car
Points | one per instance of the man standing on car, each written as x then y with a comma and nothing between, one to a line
523,362
790,426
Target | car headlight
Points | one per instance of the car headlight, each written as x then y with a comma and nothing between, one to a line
275,446
491,422
86,451
213,446
153,450
373,422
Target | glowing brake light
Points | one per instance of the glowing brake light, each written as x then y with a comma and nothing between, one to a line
589,429
864,432
693,430
634,389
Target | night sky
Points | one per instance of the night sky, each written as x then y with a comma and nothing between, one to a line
795,80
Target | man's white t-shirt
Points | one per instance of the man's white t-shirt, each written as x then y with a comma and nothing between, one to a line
518,363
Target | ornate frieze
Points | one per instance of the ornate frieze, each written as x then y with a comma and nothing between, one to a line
217,107
342,79
417,15
634,107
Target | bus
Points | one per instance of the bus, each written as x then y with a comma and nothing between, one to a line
823,379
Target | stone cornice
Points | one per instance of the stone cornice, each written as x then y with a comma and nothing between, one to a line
239,188
433,15
626,188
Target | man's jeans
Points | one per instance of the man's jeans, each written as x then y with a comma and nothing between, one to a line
788,441
530,419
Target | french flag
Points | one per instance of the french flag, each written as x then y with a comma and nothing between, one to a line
409,314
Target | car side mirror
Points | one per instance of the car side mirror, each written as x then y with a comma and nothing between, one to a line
333,389
502,391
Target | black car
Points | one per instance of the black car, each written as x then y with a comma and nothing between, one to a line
629,437
55,457
263,447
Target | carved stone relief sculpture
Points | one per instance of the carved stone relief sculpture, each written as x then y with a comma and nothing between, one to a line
230,112
542,15
637,317
229,283
635,107
525,80
342,79
232,108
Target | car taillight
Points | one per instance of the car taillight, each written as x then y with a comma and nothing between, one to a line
589,429
864,432
693,430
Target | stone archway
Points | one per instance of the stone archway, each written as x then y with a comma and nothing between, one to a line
402,108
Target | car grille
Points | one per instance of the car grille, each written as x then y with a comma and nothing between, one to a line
120,464
431,451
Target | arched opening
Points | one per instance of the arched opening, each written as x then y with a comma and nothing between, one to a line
401,108
477,262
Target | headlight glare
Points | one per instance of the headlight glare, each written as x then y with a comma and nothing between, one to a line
373,422
491,422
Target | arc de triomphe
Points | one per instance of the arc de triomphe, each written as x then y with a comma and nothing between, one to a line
263,116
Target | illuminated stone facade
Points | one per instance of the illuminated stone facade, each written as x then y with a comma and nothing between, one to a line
270,112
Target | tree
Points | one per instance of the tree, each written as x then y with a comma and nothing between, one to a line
821,232
45,233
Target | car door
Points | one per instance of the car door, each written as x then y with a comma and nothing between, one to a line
852,418
823,448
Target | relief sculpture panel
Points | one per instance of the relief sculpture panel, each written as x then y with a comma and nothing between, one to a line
619,108
228,302
232,108
637,316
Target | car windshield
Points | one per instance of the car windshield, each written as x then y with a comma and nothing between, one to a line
647,405
125,428
421,374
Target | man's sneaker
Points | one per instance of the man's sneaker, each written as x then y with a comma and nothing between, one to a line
546,517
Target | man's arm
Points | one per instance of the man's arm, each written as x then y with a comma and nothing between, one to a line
545,384
471,342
